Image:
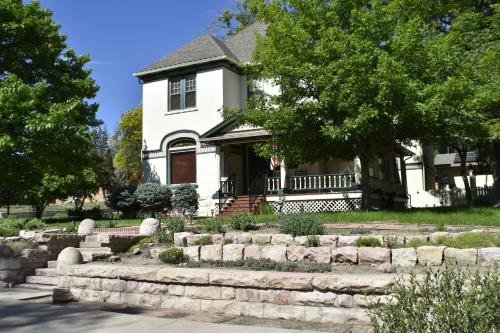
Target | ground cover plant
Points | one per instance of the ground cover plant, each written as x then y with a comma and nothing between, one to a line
300,225
173,256
462,241
368,242
241,221
11,226
446,300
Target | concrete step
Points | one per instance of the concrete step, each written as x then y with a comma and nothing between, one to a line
42,287
94,249
92,254
46,271
48,280
52,264
88,244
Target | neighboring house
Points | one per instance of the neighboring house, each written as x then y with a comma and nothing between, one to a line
187,140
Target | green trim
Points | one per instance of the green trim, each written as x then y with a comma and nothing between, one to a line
218,127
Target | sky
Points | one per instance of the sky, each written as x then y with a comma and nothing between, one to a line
124,36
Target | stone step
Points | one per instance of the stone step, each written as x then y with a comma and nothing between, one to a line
88,244
92,254
41,287
48,280
94,249
92,238
46,271
52,264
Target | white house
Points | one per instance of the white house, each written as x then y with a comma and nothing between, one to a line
187,140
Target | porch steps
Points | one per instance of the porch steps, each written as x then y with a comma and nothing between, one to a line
241,204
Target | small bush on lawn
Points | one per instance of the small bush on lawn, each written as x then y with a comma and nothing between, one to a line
312,241
242,221
34,224
185,200
173,256
447,300
368,242
263,264
301,225
163,236
213,225
175,225
205,240
153,198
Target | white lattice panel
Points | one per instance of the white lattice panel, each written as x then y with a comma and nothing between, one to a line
314,206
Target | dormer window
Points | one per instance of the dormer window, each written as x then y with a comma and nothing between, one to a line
182,92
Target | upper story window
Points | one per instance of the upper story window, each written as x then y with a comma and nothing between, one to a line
182,92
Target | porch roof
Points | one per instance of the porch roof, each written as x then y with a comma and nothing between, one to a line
228,131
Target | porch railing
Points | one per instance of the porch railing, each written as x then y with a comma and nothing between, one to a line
227,190
313,182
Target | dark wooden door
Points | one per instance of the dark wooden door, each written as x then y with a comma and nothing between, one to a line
183,168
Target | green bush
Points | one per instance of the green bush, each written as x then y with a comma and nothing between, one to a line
205,240
301,225
71,227
312,241
214,225
185,199
173,256
34,224
153,198
266,209
122,199
242,221
391,242
368,242
175,225
11,226
163,236
447,300
8,230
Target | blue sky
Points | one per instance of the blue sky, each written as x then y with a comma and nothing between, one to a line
123,36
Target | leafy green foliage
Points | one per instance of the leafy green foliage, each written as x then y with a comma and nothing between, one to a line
266,208
122,198
312,241
368,242
300,225
164,236
205,240
175,225
242,221
173,256
462,241
214,225
153,198
448,300
237,19
185,199
34,224
11,226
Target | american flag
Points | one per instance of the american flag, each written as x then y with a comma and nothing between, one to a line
274,164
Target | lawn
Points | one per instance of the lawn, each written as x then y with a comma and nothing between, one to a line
478,216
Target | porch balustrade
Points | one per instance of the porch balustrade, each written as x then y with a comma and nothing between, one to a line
313,182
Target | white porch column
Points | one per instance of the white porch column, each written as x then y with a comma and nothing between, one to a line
357,170
282,178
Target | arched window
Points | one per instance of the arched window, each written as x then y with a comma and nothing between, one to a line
182,161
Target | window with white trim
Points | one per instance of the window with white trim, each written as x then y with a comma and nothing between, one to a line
182,92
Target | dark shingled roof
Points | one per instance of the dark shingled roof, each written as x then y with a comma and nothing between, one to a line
236,49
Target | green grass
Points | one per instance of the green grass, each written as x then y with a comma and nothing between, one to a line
463,241
478,216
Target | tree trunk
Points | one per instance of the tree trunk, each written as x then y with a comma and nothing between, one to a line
494,150
38,208
366,194
463,173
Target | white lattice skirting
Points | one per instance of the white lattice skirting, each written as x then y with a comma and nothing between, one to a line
314,206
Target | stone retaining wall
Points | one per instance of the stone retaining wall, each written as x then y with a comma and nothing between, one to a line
13,270
53,243
316,297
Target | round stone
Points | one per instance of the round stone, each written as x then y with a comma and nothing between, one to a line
69,256
149,227
87,227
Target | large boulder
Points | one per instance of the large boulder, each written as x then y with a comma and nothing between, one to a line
87,227
430,255
318,254
374,255
149,227
404,257
345,254
465,257
68,256
274,252
488,256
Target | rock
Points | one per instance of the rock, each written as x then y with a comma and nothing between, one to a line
136,251
114,259
430,255
281,239
295,253
463,257
182,275
354,283
6,251
371,301
300,240
328,240
192,252
345,254
404,257
211,252
374,255
180,238
283,280
386,267
253,251
242,238
261,239
438,234
27,234
232,252
318,254
194,239
423,238
218,239
149,227
238,278
86,227
488,256
61,295
274,252
68,256
347,241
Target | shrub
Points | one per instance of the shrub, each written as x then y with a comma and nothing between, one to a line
287,266
7,230
34,224
440,227
163,236
173,256
185,199
301,225
11,226
153,198
368,242
242,221
391,242
438,302
214,225
122,199
175,225
317,268
312,241
71,227
266,209
205,240
262,264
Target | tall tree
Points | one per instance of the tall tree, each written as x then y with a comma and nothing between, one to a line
349,78
128,146
236,19
46,116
